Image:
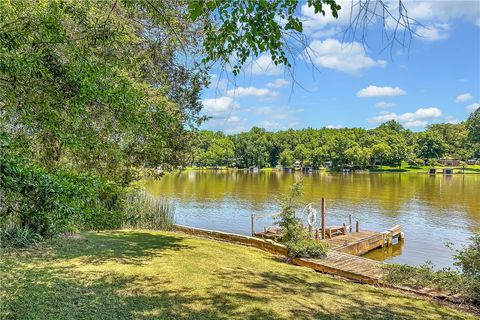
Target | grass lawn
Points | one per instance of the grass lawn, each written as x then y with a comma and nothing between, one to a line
160,275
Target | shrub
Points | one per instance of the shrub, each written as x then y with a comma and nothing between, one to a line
19,237
49,203
416,163
465,282
294,235
144,211
306,248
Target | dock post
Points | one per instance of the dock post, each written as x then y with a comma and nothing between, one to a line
350,222
310,234
324,213
253,224
317,235
357,227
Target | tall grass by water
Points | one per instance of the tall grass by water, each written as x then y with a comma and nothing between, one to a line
142,211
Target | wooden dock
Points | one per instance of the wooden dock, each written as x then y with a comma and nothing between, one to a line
335,262
345,265
361,242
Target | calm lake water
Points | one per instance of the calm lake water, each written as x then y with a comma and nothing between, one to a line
431,209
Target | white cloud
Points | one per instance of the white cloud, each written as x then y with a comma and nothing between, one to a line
410,119
279,113
464,97
233,119
415,124
384,105
313,21
472,107
251,91
278,83
264,66
217,106
348,57
436,14
438,31
334,126
236,129
441,10
374,91
267,124
451,120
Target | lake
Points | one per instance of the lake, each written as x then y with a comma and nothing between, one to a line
431,209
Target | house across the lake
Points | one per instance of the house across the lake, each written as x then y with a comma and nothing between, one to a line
449,162
328,164
472,161
297,165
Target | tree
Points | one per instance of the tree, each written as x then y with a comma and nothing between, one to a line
251,148
319,156
286,158
473,126
430,145
97,85
380,152
213,149
238,31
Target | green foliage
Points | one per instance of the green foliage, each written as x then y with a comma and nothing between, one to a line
145,212
468,259
430,145
18,237
47,204
464,283
416,162
306,248
251,148
473,124
388,144
298,241
286,158
213,149
243,29
98,86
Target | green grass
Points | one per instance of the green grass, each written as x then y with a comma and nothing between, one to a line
162,275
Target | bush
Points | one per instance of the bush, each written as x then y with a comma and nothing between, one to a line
465,283
19,237
143,211
50,203
416,163
306,248
298,241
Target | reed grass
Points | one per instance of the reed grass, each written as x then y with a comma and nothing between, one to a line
143,211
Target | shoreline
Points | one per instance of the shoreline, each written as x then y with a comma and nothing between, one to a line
456,170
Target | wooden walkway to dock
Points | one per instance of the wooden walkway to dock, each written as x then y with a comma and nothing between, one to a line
345,265
342,259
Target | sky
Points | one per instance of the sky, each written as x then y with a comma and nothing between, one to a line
435,78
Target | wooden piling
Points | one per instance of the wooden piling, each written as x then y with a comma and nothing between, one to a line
357,226
350,222
253,224
324,213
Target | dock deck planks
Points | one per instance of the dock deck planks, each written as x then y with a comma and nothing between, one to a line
343,257
346,265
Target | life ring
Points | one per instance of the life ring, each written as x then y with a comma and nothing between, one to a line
311,214
312,217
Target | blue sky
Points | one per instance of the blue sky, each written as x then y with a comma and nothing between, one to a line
347,84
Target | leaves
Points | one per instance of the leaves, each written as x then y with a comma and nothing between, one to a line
238,31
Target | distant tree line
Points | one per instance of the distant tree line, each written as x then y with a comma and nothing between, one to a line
388,144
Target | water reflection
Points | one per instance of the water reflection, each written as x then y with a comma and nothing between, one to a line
432,209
